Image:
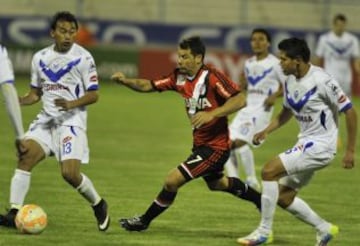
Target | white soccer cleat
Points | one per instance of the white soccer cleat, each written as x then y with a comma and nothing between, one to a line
322,238
256,238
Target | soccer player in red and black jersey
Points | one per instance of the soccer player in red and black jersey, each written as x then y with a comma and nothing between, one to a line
209,96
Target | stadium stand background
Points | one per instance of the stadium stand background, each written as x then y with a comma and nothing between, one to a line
309,14
128,34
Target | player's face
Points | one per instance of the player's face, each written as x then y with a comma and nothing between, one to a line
288,64
64,35
339,27
259,43
187,62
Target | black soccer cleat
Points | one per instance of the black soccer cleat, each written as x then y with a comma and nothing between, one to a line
134,224
8,220
102,216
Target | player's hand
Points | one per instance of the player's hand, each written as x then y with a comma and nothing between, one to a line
21,147
63,104
201,118
259,137
348,160
269,102
118,77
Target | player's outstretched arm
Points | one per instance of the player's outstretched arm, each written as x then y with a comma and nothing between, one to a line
283,117
140,85
232,105
270,100
351,127
90,97
13,108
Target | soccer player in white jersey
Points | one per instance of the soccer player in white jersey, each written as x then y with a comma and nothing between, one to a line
64,77
10,94
315,99
261,79
338,50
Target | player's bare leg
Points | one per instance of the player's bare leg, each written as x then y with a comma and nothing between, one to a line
165,198
70,170
20,182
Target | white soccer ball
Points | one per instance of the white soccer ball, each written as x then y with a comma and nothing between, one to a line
31,219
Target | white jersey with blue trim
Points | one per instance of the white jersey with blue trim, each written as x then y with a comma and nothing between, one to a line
337,52
6,69
263,79
63,75
316,100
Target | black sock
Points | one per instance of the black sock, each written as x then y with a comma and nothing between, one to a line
165,198
243,191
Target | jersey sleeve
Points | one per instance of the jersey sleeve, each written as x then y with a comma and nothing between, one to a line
89,73
35,77
6,70
167,82
224,86
279,74
320,48
356,51
335,95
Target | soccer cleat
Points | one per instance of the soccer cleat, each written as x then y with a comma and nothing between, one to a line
8,220
102,216
134,224
256,238
322,238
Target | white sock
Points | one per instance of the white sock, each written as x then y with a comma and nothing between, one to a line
247,160
269,198
19,187
231,166
301,210
87,190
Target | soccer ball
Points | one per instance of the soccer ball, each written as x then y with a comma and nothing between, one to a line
31,219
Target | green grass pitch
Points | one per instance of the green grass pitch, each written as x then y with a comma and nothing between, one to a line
135,139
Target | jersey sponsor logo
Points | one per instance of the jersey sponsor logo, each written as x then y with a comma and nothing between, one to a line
256,79
304,118
200,104
93,78
298,105
67,139
255,91
56,76
342,99
54,87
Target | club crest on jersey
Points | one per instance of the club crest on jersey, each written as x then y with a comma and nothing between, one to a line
296,94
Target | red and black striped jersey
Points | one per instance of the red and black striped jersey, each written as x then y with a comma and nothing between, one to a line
216,89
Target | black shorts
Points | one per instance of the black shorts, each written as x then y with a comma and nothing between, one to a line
204,162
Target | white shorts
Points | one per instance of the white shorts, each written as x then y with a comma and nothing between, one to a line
245,126
65,142
302,161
